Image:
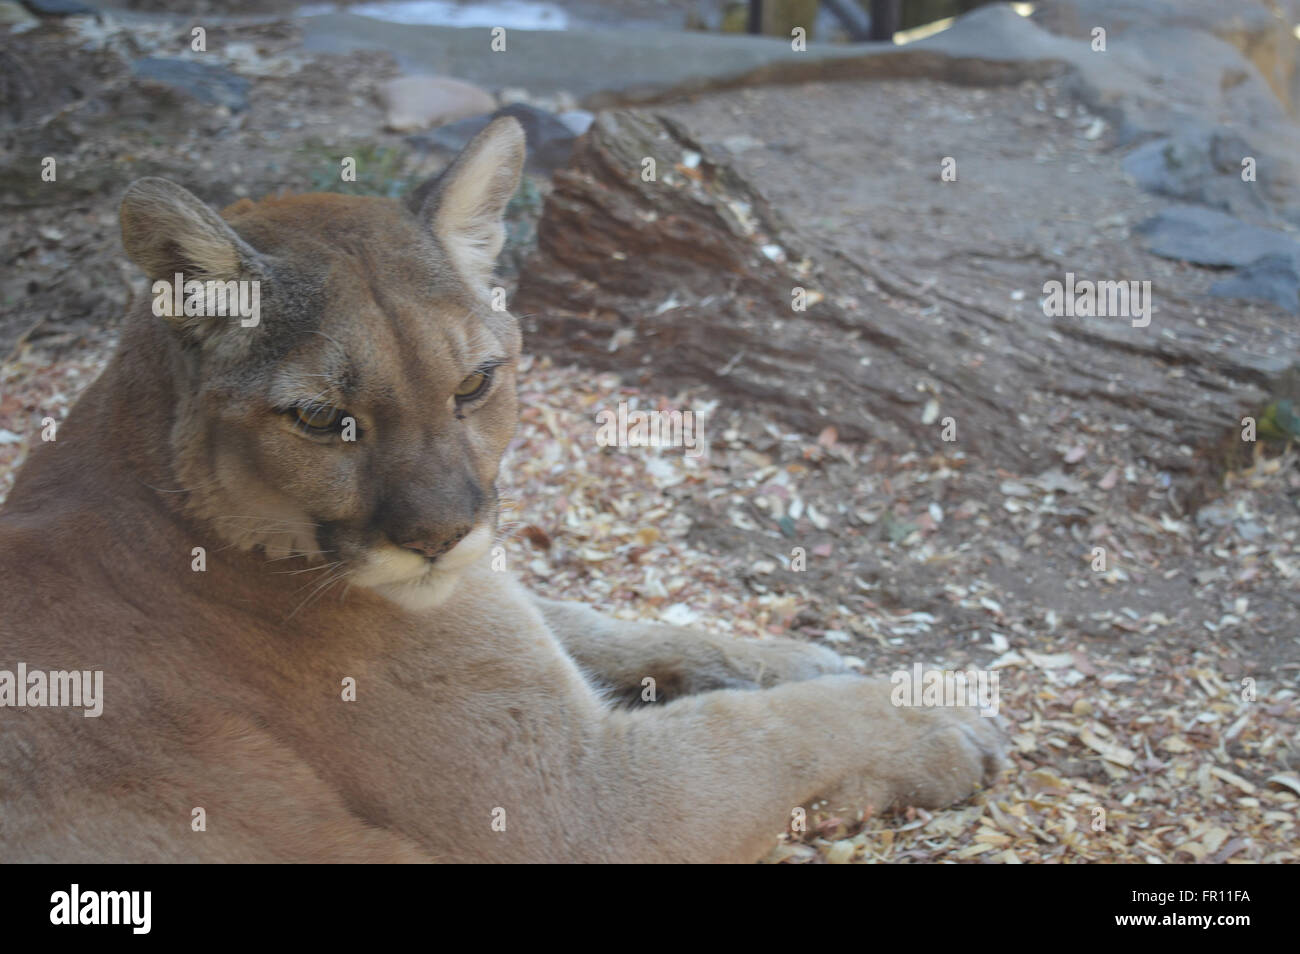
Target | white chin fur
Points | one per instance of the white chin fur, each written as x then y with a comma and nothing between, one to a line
410,581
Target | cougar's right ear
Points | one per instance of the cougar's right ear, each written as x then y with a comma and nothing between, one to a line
168,230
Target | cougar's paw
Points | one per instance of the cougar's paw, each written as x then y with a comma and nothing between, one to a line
789,660
762,663
956,750
926,757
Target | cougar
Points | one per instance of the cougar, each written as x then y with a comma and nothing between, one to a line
222,470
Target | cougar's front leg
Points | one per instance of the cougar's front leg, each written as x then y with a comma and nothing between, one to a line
622,654
715,777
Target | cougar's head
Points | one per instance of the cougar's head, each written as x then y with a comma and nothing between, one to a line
352,404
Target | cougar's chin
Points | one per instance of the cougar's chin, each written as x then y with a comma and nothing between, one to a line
411,580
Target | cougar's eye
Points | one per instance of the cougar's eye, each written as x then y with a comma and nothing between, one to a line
474,385
317,417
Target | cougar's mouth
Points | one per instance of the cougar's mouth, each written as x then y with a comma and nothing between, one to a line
415,580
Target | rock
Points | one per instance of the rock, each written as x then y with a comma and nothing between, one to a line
578,120
680,264
209,84
450,137
59,8
1273,278
1260,32
421,102
1268,260
1202,167
550,140
582,62
1206,237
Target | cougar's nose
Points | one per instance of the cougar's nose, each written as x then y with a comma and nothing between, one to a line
434,545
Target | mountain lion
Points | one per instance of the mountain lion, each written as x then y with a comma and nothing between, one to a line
222,474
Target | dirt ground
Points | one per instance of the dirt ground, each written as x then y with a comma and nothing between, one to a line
1154,697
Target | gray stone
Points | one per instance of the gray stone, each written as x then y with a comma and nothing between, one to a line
1273,278
453,136
1203,236
580,61
213,85
550,140
1268,261
1203,167
59,8
578,120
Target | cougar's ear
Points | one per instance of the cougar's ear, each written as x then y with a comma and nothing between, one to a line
167,229
465,206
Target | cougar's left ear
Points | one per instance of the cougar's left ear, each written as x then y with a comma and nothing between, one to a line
167,229
465,205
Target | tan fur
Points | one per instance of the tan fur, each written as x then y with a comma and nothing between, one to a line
475,699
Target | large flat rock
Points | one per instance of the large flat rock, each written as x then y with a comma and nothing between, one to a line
584,62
